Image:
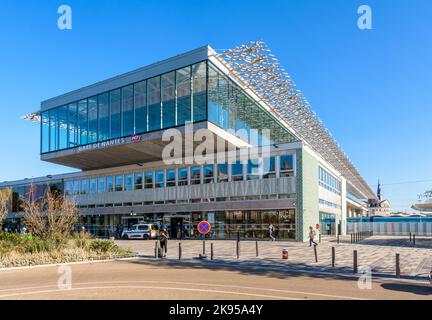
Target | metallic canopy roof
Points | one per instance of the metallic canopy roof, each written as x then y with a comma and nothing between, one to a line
261,72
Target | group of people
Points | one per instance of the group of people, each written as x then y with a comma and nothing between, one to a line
273,230
312,234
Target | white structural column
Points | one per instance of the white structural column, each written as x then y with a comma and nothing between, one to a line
344,206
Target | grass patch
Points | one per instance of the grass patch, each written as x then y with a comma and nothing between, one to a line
17,250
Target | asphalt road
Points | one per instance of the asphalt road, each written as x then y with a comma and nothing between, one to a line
143,279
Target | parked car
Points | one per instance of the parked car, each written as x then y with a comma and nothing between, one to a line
141,231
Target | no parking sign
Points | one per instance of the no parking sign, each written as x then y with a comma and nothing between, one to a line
204,227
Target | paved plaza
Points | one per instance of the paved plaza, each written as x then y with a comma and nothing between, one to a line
378,253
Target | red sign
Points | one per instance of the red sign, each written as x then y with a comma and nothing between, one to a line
317,226
204,227
136,138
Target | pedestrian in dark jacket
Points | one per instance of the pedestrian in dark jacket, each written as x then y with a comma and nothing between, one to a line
163,235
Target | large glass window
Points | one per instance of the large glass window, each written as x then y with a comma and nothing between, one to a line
199,79
128,182
53,129
84,189
92,186
269,167
109,184
101,184
222,172
140,92
72,125
168,100
115,113
164,101
195,175
63,127
170,178
148,178
92,120
183,83
231,108
104,120
128,110
182,176
82,122
68,188
252,169
219,100
138,180
76,186
154,104
118,183
237,171
286,166
45,132
208,173
160,179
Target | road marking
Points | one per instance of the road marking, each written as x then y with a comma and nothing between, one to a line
197,284
147,287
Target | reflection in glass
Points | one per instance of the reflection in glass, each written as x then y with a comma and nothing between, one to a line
182,176
140,94
115,114
154,105
92,120
128,110
183,83
148,178
199,91
168,100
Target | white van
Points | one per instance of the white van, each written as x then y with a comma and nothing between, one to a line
144,231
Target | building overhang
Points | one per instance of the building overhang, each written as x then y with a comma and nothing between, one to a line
143,148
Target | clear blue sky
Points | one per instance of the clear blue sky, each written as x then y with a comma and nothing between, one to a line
371,88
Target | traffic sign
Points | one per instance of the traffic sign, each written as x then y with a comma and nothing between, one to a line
204,227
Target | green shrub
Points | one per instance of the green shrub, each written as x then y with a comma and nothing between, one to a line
13,238
35,245
82,243
100,245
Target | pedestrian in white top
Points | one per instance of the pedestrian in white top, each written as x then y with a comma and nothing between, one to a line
270,230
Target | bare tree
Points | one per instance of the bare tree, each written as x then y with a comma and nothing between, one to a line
4,201
51,217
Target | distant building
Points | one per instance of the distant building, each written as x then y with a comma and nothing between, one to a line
378,207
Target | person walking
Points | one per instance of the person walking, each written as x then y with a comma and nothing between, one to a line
312,235
270,230
163,241
179,231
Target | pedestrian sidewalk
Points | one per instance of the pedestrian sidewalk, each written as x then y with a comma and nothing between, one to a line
376,253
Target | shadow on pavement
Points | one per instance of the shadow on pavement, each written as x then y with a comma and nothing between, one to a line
265,268
405,287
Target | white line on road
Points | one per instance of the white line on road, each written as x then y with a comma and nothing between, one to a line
189,284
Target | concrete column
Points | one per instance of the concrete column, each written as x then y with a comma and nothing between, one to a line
344,207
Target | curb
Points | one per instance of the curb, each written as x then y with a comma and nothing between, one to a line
66,263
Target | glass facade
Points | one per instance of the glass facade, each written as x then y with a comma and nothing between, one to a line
328,181
165,101
191,94
231,109
260,168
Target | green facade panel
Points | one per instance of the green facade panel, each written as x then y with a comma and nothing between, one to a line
307,194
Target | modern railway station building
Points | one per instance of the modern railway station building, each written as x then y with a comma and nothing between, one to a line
114,133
